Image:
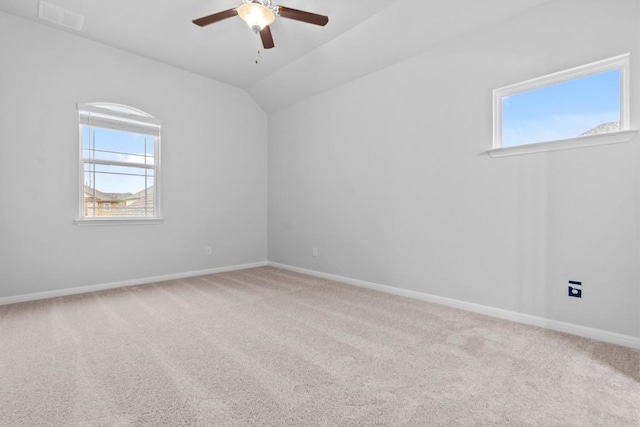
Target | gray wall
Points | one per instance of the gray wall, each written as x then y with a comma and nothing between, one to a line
386,176
213,165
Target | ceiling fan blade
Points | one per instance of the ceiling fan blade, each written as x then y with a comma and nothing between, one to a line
267,38
299,15
207,20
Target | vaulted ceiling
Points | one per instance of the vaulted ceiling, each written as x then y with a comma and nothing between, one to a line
360,38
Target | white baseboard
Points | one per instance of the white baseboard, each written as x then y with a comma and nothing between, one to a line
141,281
570,328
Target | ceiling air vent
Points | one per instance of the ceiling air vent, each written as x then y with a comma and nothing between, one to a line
60,16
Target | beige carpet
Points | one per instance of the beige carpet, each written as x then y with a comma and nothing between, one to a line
267,347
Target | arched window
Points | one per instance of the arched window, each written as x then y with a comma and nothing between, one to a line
119,164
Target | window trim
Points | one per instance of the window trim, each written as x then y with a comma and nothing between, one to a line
625,134
128,119
564,144
118,221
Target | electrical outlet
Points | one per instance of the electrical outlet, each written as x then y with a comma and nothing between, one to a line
314,252
575,289
207,250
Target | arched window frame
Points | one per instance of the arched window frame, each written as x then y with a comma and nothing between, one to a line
127,119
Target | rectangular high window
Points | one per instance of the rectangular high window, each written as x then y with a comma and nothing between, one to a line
119,153
563,110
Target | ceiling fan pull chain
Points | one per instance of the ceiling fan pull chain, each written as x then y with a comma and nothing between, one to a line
257,47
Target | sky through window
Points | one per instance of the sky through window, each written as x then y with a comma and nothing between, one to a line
563,110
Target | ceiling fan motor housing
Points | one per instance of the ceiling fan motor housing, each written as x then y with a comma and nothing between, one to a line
266,3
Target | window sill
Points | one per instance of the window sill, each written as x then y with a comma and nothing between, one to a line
117,221
565,144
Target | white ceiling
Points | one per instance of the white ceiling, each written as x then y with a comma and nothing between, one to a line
361,37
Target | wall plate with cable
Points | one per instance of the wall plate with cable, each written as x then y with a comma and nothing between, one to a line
575,289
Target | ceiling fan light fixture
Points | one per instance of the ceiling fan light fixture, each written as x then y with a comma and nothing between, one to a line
256,15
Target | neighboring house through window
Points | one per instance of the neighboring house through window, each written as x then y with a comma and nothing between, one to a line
120,163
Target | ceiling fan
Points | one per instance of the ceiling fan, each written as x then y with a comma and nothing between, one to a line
259,14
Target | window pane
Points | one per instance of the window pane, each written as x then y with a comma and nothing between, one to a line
117,191
109,144
116,179
583,106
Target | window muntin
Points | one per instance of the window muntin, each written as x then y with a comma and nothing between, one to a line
119,155
584,101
